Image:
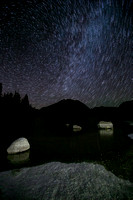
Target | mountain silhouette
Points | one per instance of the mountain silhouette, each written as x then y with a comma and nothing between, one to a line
66,112
127,105
126,110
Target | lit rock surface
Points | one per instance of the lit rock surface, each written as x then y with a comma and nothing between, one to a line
103,124
77,128
18,146
59,181
130,136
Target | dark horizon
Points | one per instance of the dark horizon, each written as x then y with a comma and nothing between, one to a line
3,94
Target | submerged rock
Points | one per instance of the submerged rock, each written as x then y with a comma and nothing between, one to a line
18,146
59,181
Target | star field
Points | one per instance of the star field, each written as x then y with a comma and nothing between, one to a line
78,49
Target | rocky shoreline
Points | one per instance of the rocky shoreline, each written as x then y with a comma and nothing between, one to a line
60,181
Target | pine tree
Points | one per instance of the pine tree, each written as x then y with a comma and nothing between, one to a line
25,101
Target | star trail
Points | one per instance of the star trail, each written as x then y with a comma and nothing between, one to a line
72,49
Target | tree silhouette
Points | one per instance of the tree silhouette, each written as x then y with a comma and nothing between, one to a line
16,98
25,101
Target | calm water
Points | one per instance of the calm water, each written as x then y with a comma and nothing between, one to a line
111,148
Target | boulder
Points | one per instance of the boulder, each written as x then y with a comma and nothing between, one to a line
77,128
59,181
130,136
104,124
18,146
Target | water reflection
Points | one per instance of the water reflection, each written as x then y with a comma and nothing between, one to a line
106,133
20,158
108,147
106,139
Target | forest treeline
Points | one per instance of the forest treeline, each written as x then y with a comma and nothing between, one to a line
16,116
10,100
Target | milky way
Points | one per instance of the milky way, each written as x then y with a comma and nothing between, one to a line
78,49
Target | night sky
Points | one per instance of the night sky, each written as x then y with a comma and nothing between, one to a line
67,49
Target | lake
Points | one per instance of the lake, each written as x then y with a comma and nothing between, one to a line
111,148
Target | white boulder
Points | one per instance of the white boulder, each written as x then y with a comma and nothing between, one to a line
104,124
130,136
77,128
18,146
